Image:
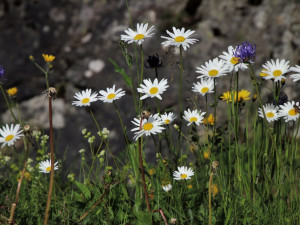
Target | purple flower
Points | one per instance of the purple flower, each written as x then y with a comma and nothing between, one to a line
245,52
1,71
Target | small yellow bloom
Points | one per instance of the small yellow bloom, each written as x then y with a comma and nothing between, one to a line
215,189
27,176
48,58
151,172
226,96
210,120
206,154
12,91
243,95
189,186
31,58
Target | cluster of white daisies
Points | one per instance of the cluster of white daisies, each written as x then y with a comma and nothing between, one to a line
10,134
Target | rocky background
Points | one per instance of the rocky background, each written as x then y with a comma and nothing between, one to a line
84,34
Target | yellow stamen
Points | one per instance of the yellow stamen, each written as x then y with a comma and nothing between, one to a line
270,115
153,90
111,96
179,39
213,73
48,169
85,100
183,176
9,137
234,60
277,73
148,126
204,90
139,37
293,112
167,121
193,119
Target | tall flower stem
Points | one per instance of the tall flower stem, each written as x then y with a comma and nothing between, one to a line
142,168
215,110
265,120
52,163
141,77
209,197
121,121
180,86
14,205
7,104
45,73
113,157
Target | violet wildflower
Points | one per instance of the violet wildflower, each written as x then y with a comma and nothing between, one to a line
1,71
245,52
153,62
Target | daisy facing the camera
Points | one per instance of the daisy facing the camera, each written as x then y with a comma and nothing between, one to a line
9,135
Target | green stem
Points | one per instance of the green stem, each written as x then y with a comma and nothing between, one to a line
7,104
112,155
265,120
121,121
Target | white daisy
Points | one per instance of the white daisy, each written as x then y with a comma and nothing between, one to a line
168,118
271,112
275,70
85,98
111,94
180,38
194,116
139,35
45,166
152,125
183,173
213,68
288,111
231,61
205,86
10,135
154,89
296,75
167,188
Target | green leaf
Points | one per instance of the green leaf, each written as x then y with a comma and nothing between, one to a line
121,71
84,189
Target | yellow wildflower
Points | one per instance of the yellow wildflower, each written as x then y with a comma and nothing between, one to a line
189,186
151,172
210,120
243,95
206,154
12,91
48,58
215,189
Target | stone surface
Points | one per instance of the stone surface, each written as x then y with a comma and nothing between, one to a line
79,32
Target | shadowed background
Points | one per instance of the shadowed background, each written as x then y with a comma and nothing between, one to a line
84,34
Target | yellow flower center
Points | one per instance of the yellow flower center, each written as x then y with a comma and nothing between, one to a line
293,112
204,90
270,114
183,176
234,60
148,126
153,90
139,37
9,137
193,119
179,39
85,100
213,73
277,73
111,96
48,169
167,121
